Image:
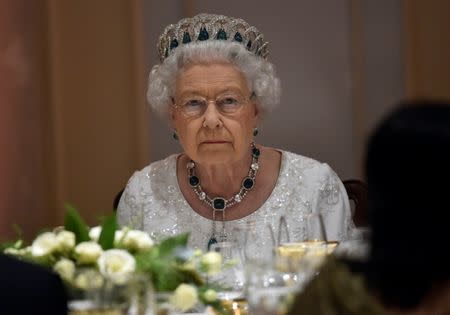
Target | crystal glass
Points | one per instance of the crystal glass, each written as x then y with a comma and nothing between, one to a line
91,293
271,290
231,278
258,243
162,304
356,246
306,254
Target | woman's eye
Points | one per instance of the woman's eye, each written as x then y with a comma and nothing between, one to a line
194,103
228,101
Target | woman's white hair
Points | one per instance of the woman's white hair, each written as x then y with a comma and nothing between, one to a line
260,73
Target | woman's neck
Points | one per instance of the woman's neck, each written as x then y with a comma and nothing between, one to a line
223,179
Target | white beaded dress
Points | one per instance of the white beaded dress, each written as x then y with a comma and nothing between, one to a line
153,202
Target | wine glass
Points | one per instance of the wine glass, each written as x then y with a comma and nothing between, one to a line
259,243
231,278
315,242
308,251
271,290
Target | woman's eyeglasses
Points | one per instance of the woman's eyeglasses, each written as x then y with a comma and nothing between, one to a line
228,104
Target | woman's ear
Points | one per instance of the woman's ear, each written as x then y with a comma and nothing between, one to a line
256,109
256,112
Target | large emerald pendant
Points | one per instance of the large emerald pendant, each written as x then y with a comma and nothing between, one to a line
218,203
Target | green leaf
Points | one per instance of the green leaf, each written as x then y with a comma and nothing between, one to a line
5,245
165,277
109,227
189,275
144,261
217,305
167,246
74,223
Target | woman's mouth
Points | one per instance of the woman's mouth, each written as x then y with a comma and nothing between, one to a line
215,142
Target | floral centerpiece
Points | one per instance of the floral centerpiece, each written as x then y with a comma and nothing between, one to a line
89,259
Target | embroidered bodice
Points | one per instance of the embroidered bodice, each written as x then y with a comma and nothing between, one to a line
153,202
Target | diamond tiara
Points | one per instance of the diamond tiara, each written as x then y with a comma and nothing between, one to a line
211,27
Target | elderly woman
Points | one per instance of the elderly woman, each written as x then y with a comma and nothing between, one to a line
213,85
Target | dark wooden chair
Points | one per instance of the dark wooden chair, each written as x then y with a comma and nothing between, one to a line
357,192
117,200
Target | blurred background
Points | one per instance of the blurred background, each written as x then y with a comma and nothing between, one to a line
74,123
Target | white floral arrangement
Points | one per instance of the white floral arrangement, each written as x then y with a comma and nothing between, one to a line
116,254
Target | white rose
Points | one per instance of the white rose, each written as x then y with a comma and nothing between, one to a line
184,298
117,265
44,244
88,279
211,262
210,295
118,236
65,268
18,252
66,240
137,240
26,250
94,233
88,252
12,251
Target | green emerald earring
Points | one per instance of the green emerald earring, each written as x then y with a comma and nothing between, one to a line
175,135
255,131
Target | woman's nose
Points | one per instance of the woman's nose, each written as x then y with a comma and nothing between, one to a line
212,116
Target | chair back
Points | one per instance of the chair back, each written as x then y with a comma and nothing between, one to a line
117,200
357,192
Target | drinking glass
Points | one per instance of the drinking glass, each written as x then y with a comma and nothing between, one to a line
231,278
91,293
356,246
306,254
259,243
271,290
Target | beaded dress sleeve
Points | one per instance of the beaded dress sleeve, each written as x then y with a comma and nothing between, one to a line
130,211
332,202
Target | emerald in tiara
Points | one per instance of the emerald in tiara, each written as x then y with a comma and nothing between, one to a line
204,27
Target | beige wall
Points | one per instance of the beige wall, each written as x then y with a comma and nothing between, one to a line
73,118
24,193
97,100
427,29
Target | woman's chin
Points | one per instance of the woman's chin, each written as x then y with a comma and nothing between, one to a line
216,154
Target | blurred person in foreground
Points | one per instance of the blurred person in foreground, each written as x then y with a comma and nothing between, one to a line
213,85
26,288
407,270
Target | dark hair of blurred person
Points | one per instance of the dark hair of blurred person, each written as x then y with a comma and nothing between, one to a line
408,175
